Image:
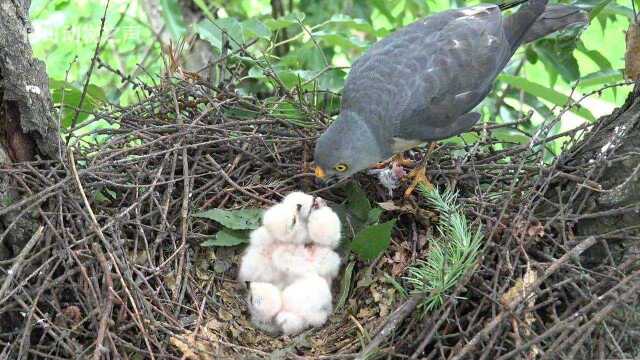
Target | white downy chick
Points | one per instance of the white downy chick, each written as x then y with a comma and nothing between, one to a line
257,264
306,302
265,302
308,203
305,201
324,227
326,262
284,223
295,261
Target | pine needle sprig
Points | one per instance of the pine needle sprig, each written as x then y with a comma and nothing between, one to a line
451,254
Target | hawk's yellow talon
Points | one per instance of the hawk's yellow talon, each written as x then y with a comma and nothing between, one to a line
398,159
419,176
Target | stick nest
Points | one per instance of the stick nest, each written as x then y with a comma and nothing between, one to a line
114,266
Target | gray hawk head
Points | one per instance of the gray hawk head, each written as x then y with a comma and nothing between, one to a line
349,134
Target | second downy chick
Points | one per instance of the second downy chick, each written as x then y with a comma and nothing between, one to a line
306,302
257,261
295,261
265,302
305,202
284,223
324,227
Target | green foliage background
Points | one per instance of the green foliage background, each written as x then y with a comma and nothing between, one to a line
324,38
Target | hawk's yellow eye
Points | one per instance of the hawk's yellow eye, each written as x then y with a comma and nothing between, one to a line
341,167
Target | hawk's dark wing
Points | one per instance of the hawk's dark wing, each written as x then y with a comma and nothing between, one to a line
422,78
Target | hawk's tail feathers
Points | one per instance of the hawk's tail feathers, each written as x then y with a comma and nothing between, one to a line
556,18
511,4
517,25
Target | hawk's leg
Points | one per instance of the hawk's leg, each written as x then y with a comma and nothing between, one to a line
419,173
397,159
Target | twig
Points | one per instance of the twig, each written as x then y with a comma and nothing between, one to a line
20,261
488,328
234,184
85,88
392,323
106,315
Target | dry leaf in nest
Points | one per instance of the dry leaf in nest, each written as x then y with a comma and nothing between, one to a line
169,281
401,259
535,229
498,226
386,305
530,229
69,316
406,208
365,313
521,290
224,315
632,56
203,260
204,346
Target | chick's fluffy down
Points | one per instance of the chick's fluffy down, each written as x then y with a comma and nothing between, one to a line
299,198
297,261
284,223
306,302
265,301
324,227
257,264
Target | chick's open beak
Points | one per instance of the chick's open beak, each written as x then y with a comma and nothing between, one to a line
320,173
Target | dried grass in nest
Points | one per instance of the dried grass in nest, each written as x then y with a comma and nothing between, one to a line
117,268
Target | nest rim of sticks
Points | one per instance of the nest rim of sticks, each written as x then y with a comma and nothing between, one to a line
118,260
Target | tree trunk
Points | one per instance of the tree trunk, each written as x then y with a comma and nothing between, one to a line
612,153
27,128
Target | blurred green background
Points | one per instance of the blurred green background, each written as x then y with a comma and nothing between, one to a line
322,39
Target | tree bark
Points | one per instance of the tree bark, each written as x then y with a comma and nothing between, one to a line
27,128
611,153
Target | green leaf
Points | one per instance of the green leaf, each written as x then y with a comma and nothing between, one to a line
68,98
204,8
532,101
595,56
601,77
396,285
558,52
227,237
509,135
531,55
374,215
212,31
291,78
172,14
352,23
292,18
243,219
616,9
373,240
596,10
357,201
96,95
545,93
254,28
381,5
291,112
61,4
102,198
345,285
333,38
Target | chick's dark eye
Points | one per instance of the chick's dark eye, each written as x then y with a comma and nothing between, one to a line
341,167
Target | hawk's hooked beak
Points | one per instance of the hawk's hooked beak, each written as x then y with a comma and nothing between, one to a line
320,173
